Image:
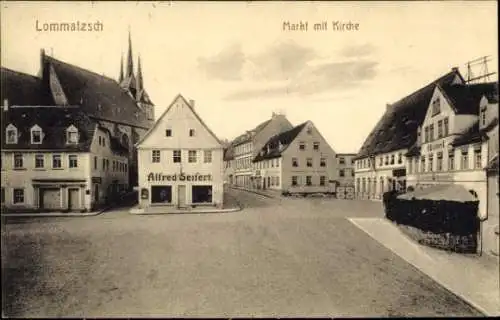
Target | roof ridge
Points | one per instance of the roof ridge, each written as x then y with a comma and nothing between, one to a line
20,72
82,69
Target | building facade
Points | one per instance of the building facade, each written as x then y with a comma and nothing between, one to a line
345,168
58,159
180,161
299,160
244,148
380,165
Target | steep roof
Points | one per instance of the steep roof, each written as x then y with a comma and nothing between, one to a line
277,144
53,121
228,154
397,129
465,98
100,96
474,134
166,112
23,89
248,135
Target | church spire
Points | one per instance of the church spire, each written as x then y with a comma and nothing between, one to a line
130,61
140,85
121,69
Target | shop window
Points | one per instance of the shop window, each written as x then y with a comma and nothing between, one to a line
202,194
192,156
18,196
177,156
161,194
73,161
39,161
56,161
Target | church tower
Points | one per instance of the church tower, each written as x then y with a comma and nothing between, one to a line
142,97
128,82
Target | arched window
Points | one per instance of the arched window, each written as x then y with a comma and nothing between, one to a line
125,140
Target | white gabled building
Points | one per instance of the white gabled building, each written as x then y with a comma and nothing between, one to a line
180,160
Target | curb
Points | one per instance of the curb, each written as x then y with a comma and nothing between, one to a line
256,192
467,300
54,215
183,212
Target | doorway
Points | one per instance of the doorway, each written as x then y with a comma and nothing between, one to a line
73,199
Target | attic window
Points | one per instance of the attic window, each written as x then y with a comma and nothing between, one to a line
436,106
168,132
11,134
309,131
36,135
72,135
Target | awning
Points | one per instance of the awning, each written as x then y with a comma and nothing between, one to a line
448,192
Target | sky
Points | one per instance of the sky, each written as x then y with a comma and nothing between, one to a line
241,61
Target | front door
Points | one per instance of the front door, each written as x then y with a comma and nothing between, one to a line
181,195
73,199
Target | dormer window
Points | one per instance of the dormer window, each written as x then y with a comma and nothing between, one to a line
72,135
436,106
11,133
36,134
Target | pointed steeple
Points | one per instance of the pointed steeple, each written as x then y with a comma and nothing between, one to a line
130,61
121,70
140,86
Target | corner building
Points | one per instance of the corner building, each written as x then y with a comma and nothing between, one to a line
180,161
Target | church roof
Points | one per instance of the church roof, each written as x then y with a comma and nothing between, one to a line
23,89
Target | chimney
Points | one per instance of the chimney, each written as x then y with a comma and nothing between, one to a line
5,105
42,59
454,69
388,106
191,102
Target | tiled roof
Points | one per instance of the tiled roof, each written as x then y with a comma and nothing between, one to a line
272,147
53,121
397,129
413,151
247,136
100,96
23,89
228,154
465,98
473,134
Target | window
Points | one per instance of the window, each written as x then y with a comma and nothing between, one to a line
155,156
451,161
168,133
322,162
295,162
410,166
431,132
316,145
192,156
277,163
95,163
426,134
309,130
73,161
342,173
436,106
18,196
202,194
386,160
352,173
72,135
400,158
294,181
439,164
392,159
445,127
302,146
381,161
161,194
103,141
277,181
36,135
191,132
3,194
103,164
207,156
56,161
18,161
322,180
100,140
483,117
341,160
309,162
422,164
440,129
11,134
477,159
465,160
39,161
430,164
177,156
308,181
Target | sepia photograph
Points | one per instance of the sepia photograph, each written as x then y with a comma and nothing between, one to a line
265,159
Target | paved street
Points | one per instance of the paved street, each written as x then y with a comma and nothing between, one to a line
277,257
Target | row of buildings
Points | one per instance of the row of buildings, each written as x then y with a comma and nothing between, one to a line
69,135
444,133
292,159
